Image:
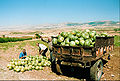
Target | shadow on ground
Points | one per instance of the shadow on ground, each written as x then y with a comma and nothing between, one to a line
76,72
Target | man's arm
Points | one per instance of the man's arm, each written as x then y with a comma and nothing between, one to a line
41,51
20,55
23,57
26,55
43,40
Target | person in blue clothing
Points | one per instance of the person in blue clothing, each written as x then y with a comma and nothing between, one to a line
23,54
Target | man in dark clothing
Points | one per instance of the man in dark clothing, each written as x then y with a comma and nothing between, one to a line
52,58
49,44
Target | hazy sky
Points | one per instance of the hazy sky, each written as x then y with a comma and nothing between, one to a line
19,12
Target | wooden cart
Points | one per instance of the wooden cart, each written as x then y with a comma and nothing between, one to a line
85,57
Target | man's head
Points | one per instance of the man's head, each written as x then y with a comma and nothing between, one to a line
49,39
37,44
24,50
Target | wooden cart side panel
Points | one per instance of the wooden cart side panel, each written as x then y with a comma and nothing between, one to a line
102,45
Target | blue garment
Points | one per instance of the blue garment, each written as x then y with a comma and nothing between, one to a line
22,55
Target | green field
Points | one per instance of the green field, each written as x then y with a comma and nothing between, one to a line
29,33
117,40
21,44
3,40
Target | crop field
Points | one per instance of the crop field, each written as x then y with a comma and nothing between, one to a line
3,40
117,40
59,40
11,50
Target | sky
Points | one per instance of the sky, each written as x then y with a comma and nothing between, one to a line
32,12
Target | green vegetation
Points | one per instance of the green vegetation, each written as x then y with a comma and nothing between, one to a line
30,33
17,33
73,24
95,23
117,29
3,40
114,32
37,36
3,36
104,29
8,45
20,45
107,29
117,40
36,32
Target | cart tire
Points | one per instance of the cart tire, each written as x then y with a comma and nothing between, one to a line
58,67
96,70
53,63
53,67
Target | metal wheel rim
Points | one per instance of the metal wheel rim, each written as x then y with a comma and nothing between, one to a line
99,70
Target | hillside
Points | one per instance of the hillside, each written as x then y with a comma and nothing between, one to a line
96,23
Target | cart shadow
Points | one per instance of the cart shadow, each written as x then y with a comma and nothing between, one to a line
75,72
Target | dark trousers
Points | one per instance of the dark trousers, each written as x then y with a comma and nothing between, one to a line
44,52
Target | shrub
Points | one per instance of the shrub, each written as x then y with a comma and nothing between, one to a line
8,39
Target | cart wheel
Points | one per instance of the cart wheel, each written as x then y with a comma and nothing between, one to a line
53,67
96,70
53,63
109,57
58,67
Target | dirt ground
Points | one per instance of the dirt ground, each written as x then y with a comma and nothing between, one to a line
111,70
6,74
47,32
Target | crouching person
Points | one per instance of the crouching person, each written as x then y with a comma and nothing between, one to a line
23,54
42,49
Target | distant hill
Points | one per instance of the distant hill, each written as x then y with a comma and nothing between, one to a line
96,23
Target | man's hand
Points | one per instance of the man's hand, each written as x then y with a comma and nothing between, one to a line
23,57
40,36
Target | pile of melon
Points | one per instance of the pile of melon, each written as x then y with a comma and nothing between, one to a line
77,38
29,63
